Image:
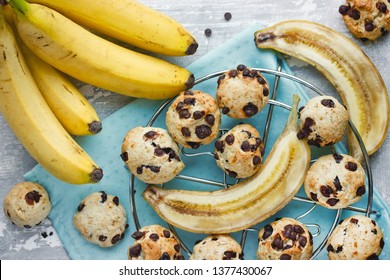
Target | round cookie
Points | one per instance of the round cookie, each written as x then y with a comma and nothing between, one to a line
242,92
151,155
101,219
335,181
285,239
217,247
154,242
356,238
323,121
193,119
239,152
27,204
366,19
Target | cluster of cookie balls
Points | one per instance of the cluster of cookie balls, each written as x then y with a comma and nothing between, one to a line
193,119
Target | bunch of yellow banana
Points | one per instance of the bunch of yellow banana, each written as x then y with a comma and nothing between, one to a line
74,50
33,122
346,66
246,203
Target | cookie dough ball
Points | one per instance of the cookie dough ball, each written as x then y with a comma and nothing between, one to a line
101,219
217,247
154,242
285,239
366,19
356,238
242,92
335,181
193,119
323,121
151,155
27,204
239,152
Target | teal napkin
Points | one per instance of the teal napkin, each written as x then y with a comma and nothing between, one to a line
105,149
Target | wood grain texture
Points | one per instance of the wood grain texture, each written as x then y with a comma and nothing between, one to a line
196,16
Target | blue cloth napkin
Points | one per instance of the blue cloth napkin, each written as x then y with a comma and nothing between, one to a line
105,149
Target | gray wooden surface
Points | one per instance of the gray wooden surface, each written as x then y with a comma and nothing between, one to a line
42,241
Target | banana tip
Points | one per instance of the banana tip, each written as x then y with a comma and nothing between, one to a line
95,127
96,175
190,50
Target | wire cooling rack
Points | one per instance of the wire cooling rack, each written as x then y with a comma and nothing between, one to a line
315,228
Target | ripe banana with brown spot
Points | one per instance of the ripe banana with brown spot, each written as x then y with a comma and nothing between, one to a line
346,66
89,58
246,203
129,21
32,121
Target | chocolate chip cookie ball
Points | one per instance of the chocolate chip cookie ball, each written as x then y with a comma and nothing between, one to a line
242,92
285,239
193,119
323,121
151,155
154,242
101,219
239,152
217,247
335,181
356,238
368,19
27,204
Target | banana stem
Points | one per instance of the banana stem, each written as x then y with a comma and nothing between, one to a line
292,122
18,5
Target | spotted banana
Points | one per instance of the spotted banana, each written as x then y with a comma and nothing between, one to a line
346,66
246,203
89,58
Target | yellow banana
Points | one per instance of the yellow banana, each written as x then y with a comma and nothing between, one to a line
128,21
246,203
346,66
32,121
89,58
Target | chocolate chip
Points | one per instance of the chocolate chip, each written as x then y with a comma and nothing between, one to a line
374,231
102,238
165,256
261,81
246,72
285,257
139,169
177,247
208,32
343,9
361,191
332,201
166,233
227,16
308,122
116,239
241,67
354,13
214,239
27,226
298,229
150,134
250,109
289,232
339,248
155,169
337,157
351,166
193,145
190,101
229,139
233,73
225,110
316,141
268,230
158,152
302,241
171,154
228,255
326,191
314,196
154,237
32,197
330,248
232,173
189,92
354,221
179,106
327,103
184,114
369,26
185,132
337,184
125,156
216,156
135,250
203,131
265,91
373,257
245,146
301,135
80,207
381,7
116,200
137,235
277,243
256,160
198,114
210,119
382,243
104,197
220,79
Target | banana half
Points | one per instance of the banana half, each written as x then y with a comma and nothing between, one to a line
246,203
346,66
